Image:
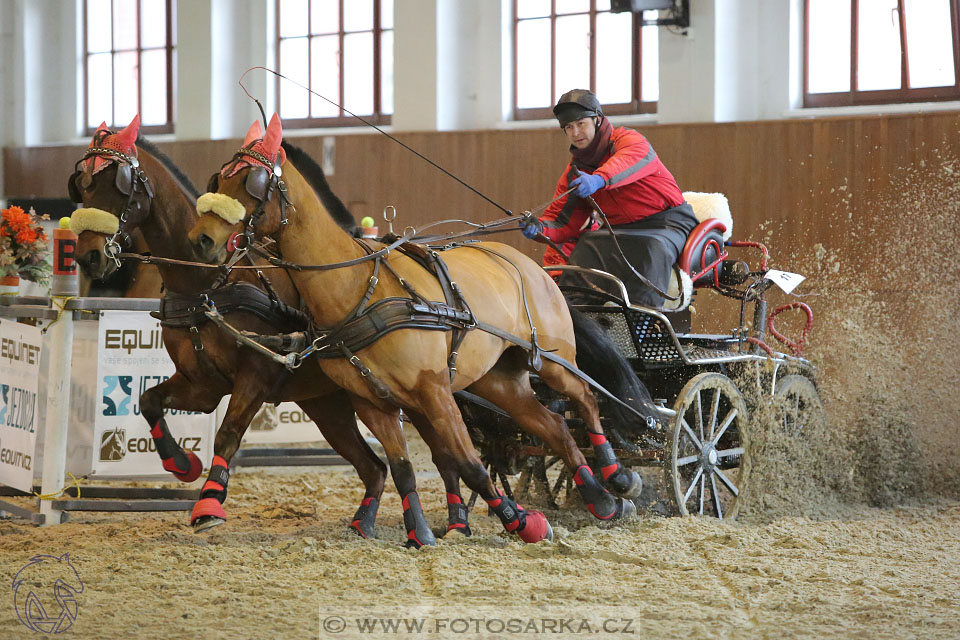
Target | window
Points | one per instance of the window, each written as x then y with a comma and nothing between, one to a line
129,50
560,45
881,51
342,50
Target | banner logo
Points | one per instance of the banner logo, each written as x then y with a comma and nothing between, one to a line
45,594
113,445
116,395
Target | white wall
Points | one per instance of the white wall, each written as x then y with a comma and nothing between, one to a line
740,60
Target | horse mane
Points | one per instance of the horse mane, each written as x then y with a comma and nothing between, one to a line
313,174
179,177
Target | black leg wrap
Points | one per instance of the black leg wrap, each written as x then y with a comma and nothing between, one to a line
622,481
418,533
600,503
364,518
219,475
457,516
512,516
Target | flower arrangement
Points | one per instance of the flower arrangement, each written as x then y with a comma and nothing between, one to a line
23,245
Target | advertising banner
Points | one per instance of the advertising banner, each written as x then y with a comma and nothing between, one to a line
285,423
131,359
19,382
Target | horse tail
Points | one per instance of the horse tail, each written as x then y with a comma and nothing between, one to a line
313,173
599,358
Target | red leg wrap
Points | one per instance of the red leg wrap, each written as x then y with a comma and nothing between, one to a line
536,529
191,473
207,507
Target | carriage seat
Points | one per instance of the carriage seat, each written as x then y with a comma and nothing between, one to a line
703,253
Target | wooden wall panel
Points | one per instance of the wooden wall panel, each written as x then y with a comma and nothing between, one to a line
796,181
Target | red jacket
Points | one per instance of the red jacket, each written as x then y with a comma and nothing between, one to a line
637,185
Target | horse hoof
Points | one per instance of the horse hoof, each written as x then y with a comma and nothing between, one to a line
625,483
203,523
419,539
626,510
536,529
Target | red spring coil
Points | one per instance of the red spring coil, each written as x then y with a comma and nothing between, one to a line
756,245
795,347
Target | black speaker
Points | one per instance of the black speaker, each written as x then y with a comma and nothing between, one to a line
620,6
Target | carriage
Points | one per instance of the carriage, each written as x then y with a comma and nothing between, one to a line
712,383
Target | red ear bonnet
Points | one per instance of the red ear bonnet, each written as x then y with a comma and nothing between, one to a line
124,141
268,146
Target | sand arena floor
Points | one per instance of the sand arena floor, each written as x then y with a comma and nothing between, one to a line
285,562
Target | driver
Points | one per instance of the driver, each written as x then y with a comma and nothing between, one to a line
629,183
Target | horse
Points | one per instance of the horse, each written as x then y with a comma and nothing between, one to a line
127,185
521,311
101,277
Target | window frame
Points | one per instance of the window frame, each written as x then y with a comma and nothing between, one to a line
343,120
883,96
169,48
635,106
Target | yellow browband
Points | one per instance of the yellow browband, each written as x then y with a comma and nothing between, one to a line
96,220
230,209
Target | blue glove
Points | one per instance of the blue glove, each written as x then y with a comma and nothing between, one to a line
587,184
531,228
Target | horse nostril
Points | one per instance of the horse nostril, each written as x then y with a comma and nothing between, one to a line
89,260
205,243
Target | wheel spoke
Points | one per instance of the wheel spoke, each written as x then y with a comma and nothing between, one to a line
713,412
693,484
686,427
726,453
681,462
703,489
726,423
716,496
699,410
725,480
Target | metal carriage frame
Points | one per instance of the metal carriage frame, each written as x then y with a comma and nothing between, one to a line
712,383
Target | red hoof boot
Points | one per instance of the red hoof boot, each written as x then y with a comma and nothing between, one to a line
194,467
207,507
536,529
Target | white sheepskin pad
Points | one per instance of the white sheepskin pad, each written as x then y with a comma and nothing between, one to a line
711,205
230,209
96,220
685,286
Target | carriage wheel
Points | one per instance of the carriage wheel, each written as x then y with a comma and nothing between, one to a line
800,405
547,479
708,460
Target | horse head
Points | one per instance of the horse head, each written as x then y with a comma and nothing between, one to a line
248,197
115,195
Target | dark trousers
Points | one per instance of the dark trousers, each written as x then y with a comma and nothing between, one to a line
651,245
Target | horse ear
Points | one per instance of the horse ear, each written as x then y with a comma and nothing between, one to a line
102,127
255,132
128,137
273,137
213,183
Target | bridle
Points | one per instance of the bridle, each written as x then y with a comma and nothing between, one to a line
260,185
131,181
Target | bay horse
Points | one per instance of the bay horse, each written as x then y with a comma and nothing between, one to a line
123,178
100,277
510,295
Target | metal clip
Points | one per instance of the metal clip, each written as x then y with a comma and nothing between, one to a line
389,213
355,361
195,338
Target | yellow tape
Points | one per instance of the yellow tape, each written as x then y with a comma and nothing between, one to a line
57,494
